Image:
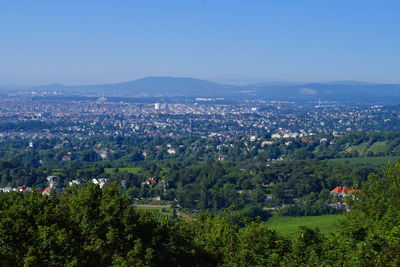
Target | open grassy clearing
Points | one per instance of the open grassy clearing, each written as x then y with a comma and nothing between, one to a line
361,148
364,148
374,161
379,147
288,224
133,170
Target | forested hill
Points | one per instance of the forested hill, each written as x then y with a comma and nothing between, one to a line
150,86
89,226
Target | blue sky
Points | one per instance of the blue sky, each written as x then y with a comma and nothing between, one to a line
80,42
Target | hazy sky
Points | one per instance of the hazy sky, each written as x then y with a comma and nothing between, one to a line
79,42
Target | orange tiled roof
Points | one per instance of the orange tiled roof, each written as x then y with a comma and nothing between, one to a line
337,190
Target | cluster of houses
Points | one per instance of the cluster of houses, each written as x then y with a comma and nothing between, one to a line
52,186
16,189
24,188
46,191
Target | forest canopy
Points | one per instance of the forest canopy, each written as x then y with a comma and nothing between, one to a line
89,226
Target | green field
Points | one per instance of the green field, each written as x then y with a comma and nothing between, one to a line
130,170
375,161
287,224
379,147
364,148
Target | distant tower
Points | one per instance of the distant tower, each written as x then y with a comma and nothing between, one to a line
31,144
157,106
319,103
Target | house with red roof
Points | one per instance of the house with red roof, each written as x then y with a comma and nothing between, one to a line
47,191
343,191
337,190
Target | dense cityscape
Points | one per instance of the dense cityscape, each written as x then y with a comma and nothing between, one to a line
62,117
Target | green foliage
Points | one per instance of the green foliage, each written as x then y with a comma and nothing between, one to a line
247,215
260,246
130,170
375,222
85,227
89,226
374,161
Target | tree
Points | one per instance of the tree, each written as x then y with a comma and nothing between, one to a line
374,222
260,246
87,226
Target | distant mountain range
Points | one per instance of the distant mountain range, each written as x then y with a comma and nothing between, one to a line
191,87
150,86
